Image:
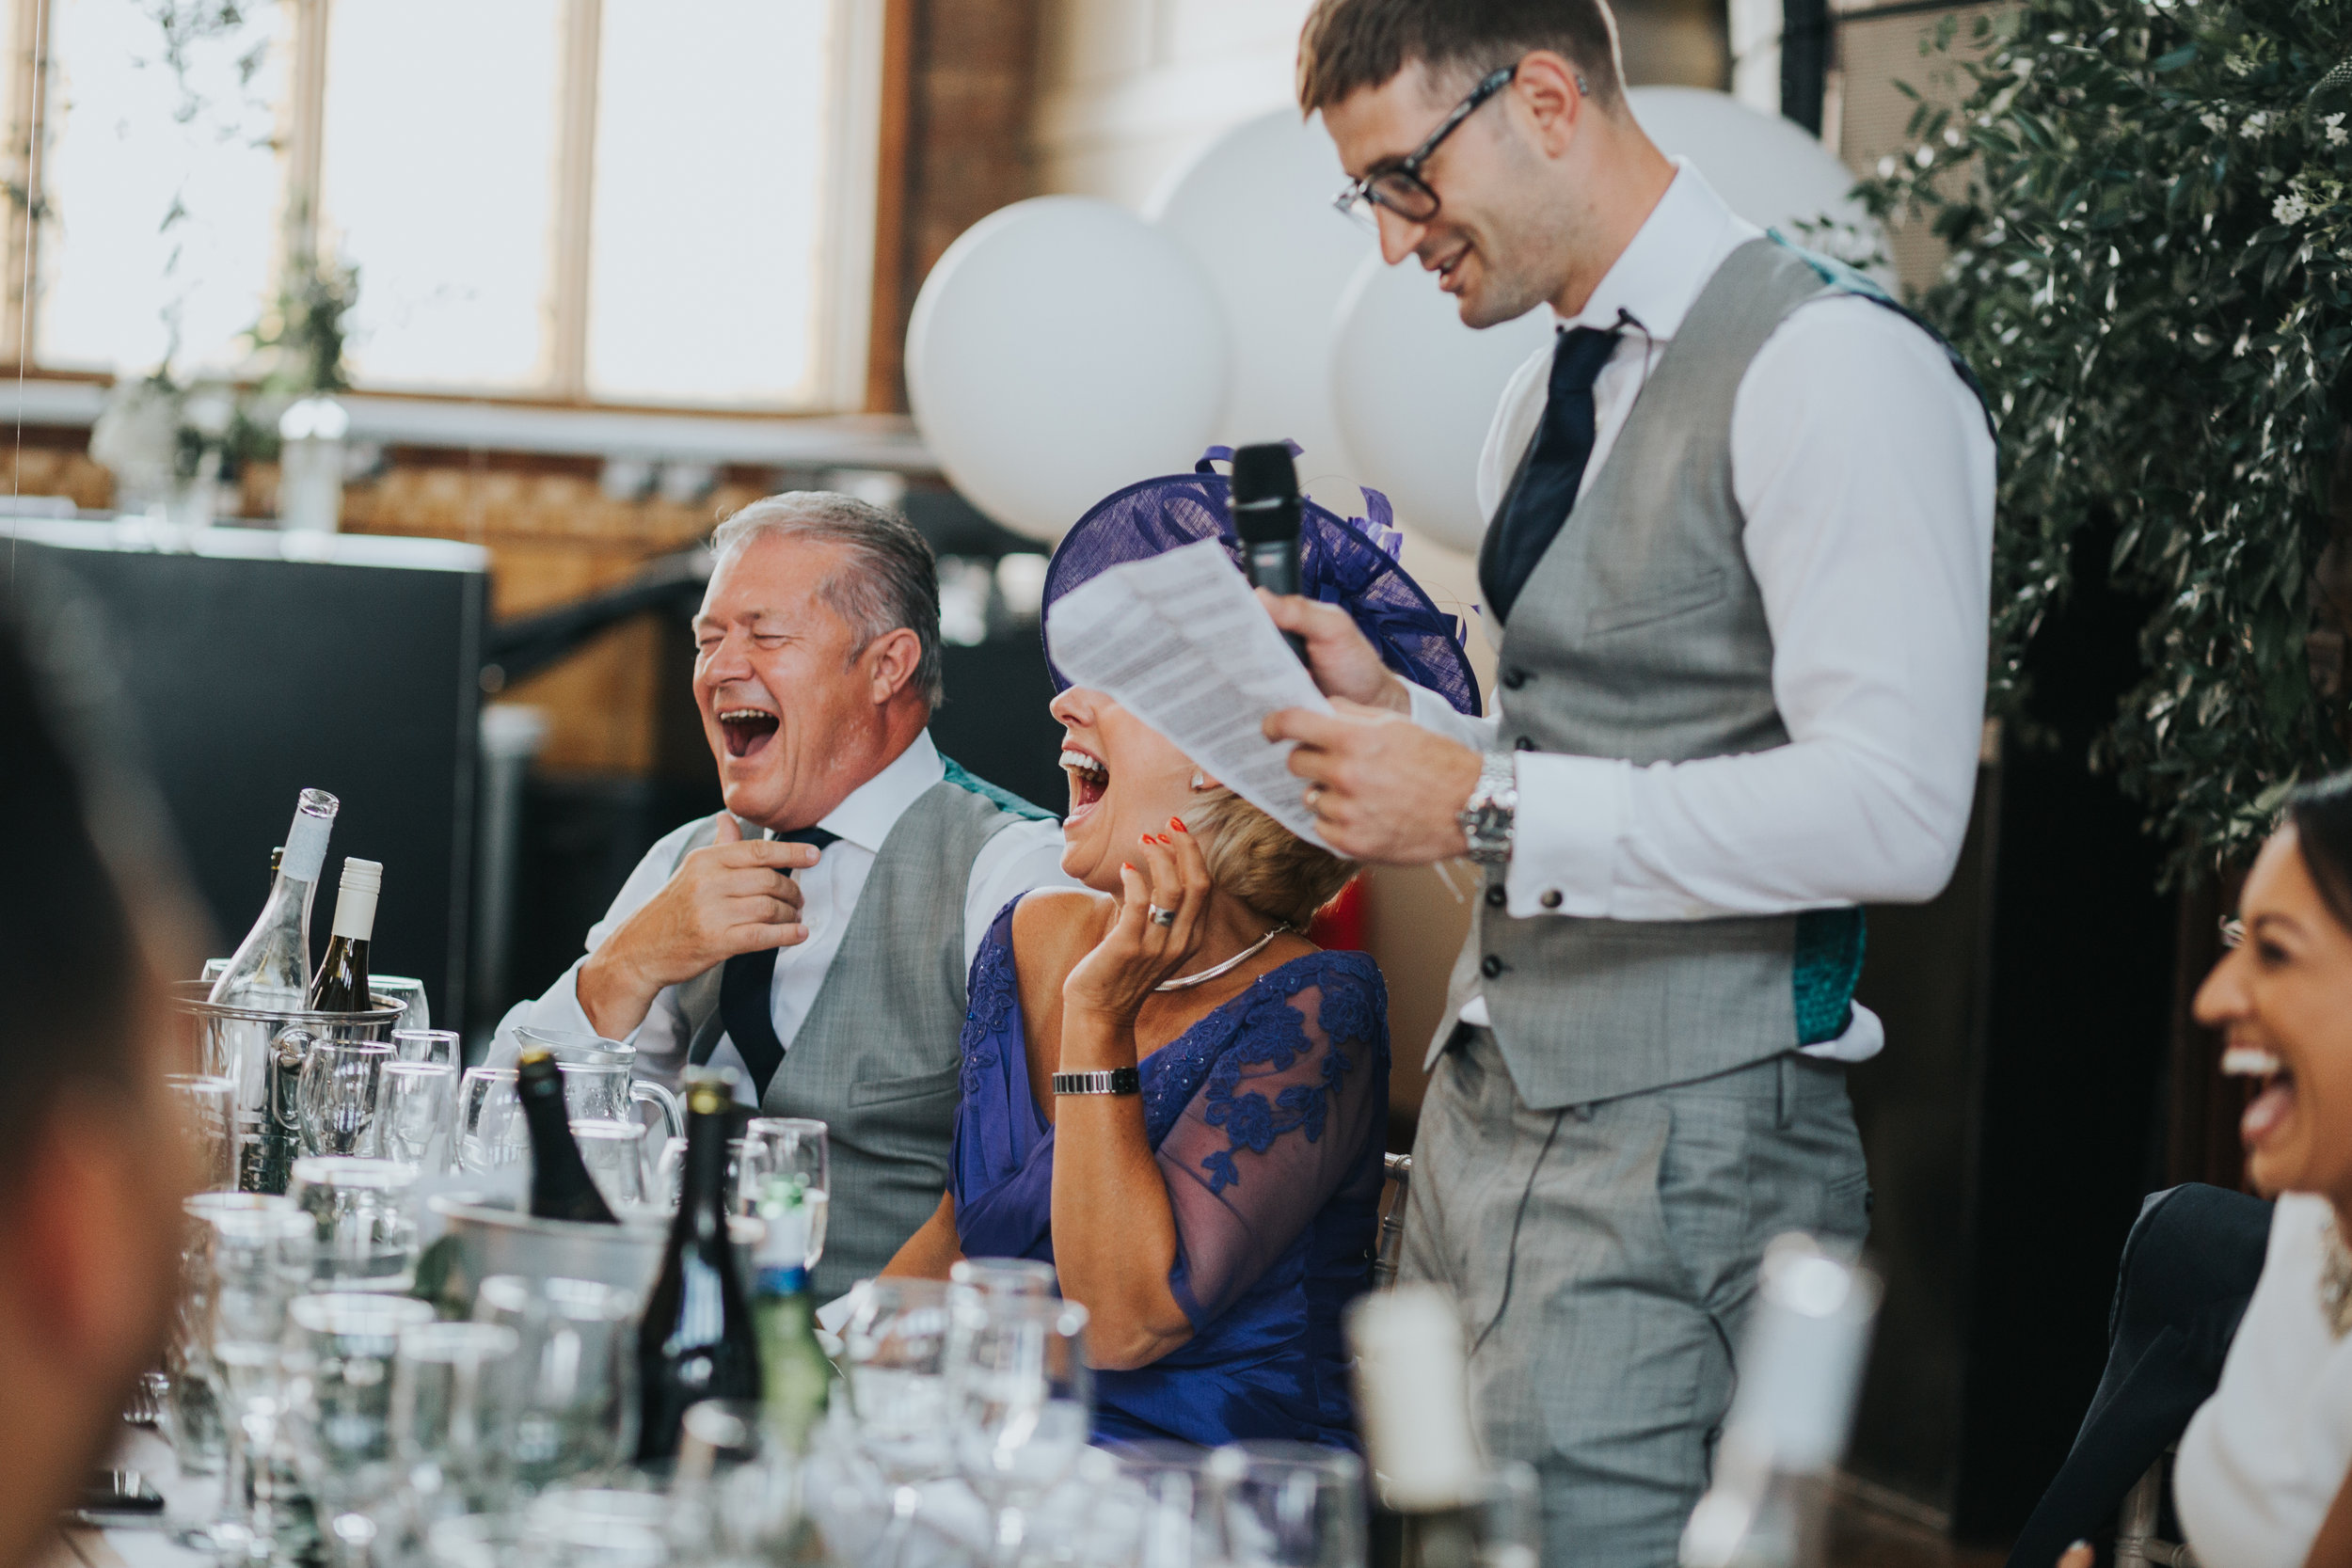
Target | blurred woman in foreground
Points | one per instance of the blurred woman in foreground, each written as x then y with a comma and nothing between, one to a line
2263,1457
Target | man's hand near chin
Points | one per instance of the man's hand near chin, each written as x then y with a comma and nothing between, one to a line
1382,789
735,895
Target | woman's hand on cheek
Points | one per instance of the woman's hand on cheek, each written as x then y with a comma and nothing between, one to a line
1138,952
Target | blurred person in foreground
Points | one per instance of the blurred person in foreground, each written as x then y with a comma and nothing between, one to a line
2262,1459
816,934
93,1168
1211,1198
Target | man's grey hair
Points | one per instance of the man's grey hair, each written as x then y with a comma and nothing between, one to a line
890,581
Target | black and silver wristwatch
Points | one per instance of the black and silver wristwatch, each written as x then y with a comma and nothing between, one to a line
1118,1080
1491,815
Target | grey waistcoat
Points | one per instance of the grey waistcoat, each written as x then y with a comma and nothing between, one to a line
1641,634
879,1059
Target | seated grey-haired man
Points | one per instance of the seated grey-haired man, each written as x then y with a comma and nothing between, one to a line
801,935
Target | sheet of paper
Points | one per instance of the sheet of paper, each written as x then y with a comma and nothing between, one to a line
1181,642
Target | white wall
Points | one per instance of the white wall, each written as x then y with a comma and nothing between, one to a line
1127,88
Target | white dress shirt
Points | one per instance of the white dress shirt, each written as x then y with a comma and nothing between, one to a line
2262,1459
1862,464
1024,856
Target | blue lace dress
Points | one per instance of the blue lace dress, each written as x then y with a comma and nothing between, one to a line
1268,1117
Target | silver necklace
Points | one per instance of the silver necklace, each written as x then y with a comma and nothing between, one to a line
1186,982
2335,1281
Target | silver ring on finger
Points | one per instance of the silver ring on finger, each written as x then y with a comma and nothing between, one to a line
1160,917
1312,798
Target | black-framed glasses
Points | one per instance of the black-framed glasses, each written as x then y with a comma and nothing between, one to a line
1398,186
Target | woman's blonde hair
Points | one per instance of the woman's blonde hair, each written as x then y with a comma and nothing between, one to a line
1262,863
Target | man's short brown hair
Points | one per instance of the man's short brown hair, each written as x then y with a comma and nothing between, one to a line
1348,46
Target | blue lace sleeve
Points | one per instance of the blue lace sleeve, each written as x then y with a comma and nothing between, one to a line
1284,1118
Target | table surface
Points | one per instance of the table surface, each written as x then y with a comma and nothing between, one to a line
186,1499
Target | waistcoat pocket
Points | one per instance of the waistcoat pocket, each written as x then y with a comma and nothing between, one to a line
1696,592
878,1091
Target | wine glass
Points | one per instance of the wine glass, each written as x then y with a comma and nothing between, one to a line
1024,1403
454,1408
428,1045
787,1176
414,1013
577,1400
894,1363
413,1113
199,1439
260,1261
208,1114
336,1096
367,1234
1288,1505
1004,1277
340,1350
614,1153
491,1134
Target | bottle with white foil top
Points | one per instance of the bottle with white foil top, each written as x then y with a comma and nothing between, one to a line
270,971
340,985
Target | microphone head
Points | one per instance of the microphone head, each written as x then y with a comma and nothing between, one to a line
1266,493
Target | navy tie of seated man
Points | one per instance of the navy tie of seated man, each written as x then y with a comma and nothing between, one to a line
92,1168
1735,570
831,978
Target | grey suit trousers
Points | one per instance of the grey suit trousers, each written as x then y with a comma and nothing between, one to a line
1604,1258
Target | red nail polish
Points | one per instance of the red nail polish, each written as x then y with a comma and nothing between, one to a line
1178,824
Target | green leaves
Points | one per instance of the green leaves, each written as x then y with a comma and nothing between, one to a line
2151,273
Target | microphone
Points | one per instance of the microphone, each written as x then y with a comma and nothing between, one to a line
1266,518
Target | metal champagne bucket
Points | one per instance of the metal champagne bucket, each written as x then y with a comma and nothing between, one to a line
486,1237
262,1054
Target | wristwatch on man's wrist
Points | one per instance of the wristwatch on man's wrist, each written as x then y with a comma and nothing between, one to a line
1491,815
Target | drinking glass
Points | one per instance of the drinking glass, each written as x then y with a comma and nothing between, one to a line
491,1134
1024,1403
336,1098
207,1115
453,1399
577,1397
414,1012
668,1173
610,1091
787,1176
1288,1505
1178,1524
340,1350
367,1234
614,1153
260,1261
199,1439
895,1371
413,1113
428,1045
1004,1277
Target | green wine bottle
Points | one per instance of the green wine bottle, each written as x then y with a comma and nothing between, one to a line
797,1378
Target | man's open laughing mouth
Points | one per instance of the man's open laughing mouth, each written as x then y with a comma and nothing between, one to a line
746,729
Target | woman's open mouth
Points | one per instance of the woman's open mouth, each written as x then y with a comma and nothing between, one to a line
2274,1102
746,730
1090,776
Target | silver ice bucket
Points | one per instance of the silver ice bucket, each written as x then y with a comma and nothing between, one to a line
487,1237
262,1052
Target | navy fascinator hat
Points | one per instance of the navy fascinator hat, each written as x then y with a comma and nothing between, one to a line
1347,562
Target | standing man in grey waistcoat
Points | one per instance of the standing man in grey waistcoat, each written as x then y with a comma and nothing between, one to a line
1736,572
815,936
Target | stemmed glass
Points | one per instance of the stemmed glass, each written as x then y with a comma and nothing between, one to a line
198,1441
340,1350
1288,1505
260,1260
435,1047
895,1371
367,1236
412,1117
576,1395
787,1176
614,1153
1024,1403
453,1417
334,1100
491,1134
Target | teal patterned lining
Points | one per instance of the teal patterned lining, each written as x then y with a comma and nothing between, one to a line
1829,949
1003,799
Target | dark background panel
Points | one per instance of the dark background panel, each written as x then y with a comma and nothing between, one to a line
253,679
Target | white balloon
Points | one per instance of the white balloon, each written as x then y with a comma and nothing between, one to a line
1254,209
1060,349
1414,389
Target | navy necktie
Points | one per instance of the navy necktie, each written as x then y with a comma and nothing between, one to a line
1539,500
745,986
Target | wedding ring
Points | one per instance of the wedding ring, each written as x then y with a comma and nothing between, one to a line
1160,917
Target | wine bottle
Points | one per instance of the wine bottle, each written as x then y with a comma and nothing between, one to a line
561,1187
270,971
340,985
798,1378
1412,1392
697,1340
1800,1374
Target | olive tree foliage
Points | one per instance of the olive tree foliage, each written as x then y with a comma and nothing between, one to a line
2151,270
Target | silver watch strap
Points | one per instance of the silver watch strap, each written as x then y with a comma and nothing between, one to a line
1121,1080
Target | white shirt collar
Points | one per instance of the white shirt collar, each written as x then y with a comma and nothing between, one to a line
866,815
1660,272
